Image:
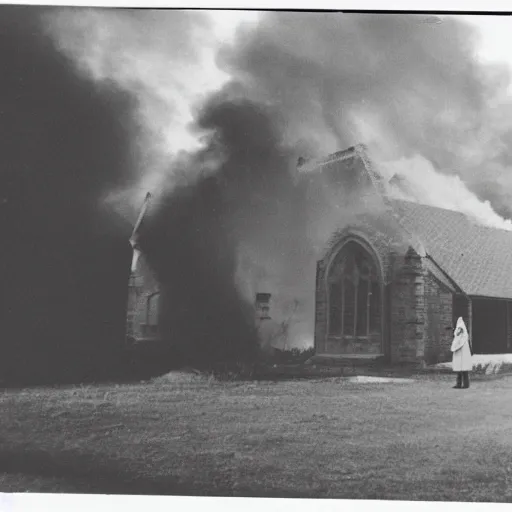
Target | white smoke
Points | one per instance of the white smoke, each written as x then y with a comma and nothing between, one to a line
420,182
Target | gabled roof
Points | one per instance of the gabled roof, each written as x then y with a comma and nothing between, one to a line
478,258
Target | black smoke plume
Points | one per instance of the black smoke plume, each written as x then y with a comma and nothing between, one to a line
193,239
64,143
236,216
236,205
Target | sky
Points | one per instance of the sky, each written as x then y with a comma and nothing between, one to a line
496,36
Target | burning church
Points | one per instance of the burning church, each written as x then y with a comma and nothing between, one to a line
391,280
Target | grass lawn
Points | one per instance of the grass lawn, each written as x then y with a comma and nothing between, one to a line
325,438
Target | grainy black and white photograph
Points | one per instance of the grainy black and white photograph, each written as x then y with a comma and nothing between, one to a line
256,253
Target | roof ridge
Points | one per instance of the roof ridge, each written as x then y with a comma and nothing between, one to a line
144,208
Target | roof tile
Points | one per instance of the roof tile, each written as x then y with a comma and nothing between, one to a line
478,258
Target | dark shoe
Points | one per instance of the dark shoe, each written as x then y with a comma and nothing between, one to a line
465,380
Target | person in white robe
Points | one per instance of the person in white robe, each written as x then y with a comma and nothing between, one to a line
461,362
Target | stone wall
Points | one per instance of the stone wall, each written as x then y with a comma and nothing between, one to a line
439,317
321,306
421,312
141,286
407,329
417,308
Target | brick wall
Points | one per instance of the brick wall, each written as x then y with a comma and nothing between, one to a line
439,316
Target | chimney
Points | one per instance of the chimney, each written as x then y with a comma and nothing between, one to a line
262,306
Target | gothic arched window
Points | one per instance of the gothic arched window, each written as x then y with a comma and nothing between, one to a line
354,294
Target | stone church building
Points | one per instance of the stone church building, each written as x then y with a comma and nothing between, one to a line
392,280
